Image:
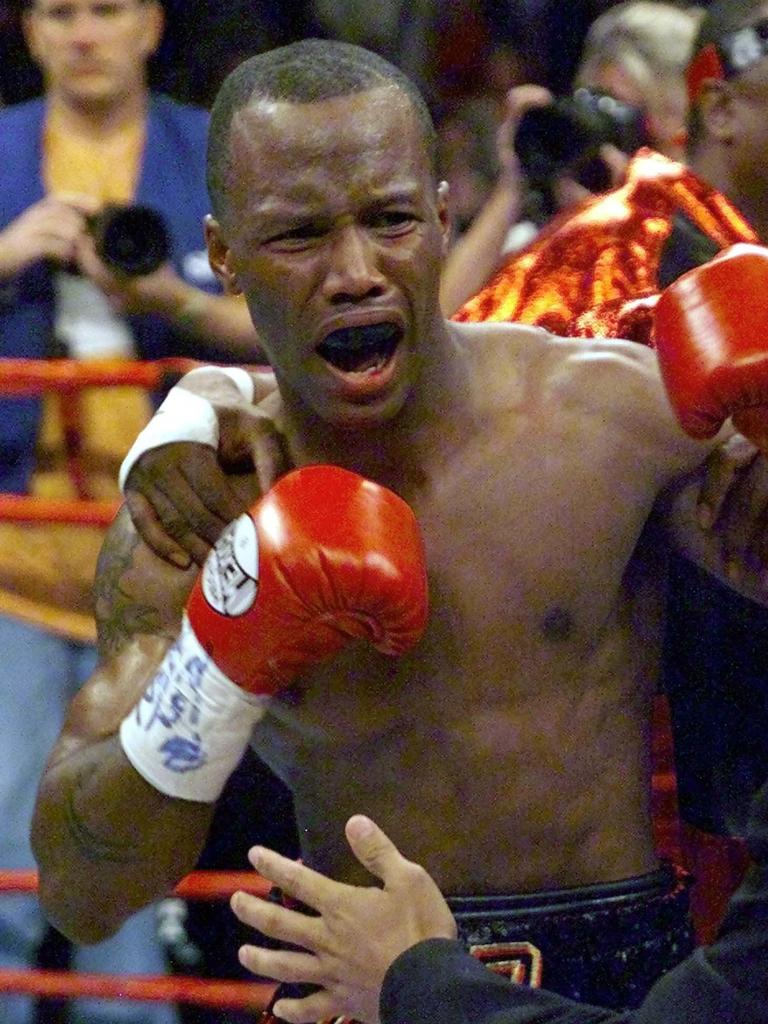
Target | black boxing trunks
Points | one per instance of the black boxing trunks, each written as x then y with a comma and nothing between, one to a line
600,944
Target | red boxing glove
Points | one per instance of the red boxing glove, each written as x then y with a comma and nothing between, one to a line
324,558
711,335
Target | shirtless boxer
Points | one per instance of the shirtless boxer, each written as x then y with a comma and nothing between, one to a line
507,750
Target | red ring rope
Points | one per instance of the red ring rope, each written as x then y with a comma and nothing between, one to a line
240,995
198,885
22,508
22,377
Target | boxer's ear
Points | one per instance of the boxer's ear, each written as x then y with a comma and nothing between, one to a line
220,257
443,213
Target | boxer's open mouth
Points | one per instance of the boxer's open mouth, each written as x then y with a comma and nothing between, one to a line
364,349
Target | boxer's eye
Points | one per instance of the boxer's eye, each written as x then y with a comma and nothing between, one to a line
361,348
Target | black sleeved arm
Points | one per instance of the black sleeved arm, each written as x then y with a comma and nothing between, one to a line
437,980
727,982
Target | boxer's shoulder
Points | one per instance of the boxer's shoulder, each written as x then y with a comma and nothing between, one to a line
618,384
603,389
515,347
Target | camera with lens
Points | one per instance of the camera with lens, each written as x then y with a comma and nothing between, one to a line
130,239
565,137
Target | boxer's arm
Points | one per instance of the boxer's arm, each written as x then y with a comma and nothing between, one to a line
107,842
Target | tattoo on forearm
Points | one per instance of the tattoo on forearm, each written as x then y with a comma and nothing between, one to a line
120,614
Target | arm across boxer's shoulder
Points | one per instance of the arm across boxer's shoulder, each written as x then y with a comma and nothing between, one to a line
325,559
107,842
181,477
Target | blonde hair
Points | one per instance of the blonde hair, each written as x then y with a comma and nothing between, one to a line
647,39
650,43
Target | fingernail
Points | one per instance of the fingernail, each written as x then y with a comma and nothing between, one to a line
361,825
181,559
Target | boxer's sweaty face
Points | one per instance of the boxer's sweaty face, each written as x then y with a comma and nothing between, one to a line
335,235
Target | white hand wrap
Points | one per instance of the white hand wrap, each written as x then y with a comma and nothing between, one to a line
189,731
184,416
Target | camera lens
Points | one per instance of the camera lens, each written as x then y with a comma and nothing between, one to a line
131,239
566,135
552,139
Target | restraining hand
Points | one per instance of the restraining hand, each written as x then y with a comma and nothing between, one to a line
733,507
347,950
182,493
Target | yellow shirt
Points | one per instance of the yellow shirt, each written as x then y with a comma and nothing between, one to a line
46,572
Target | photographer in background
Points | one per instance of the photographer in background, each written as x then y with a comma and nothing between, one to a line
629,90
96,137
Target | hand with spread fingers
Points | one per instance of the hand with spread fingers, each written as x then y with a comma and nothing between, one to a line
347,949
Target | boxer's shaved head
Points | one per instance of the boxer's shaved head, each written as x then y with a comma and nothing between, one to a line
307,71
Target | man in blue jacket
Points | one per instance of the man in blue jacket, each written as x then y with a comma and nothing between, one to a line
97,137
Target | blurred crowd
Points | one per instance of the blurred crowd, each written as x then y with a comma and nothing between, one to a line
465,56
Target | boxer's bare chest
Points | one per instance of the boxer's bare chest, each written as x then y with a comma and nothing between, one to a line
478,750
524,671
526,539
